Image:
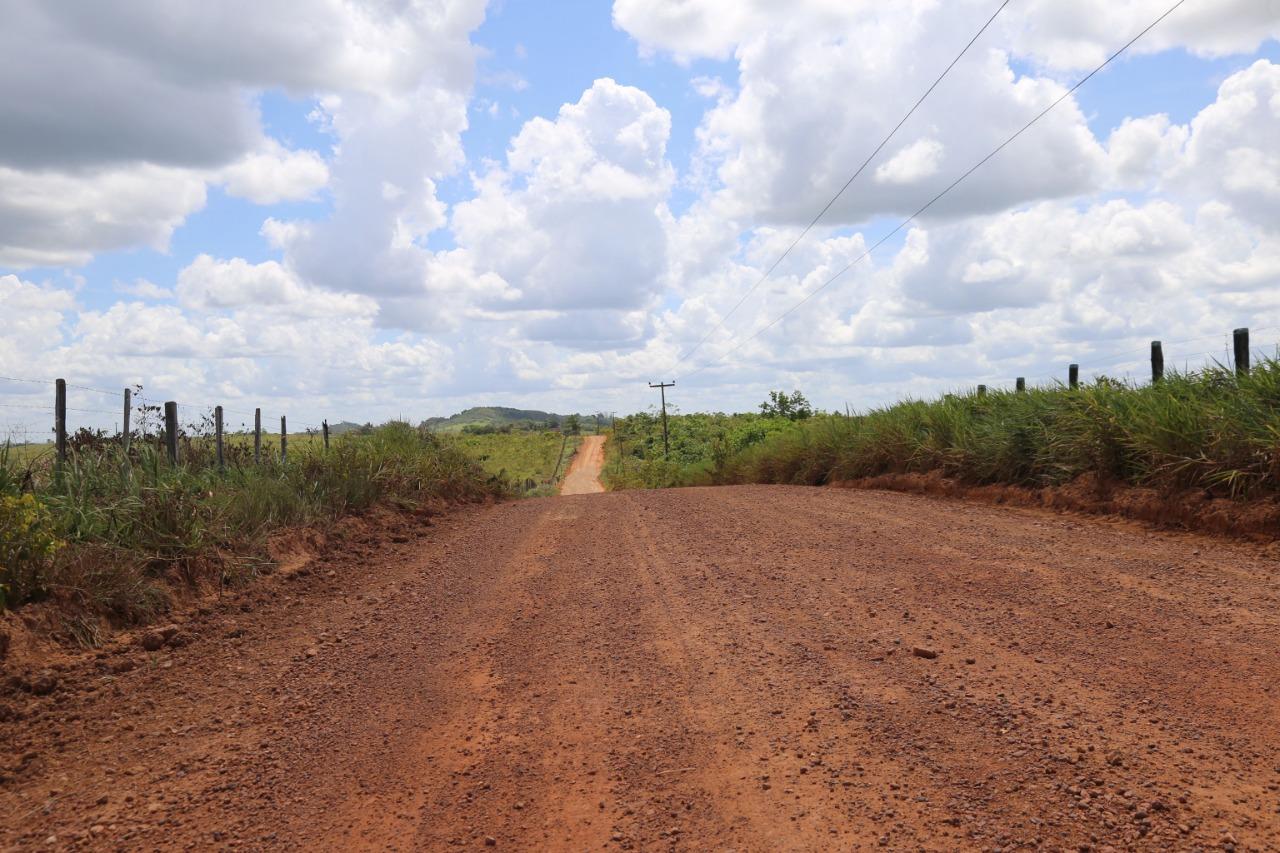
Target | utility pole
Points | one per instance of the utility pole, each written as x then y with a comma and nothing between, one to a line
662,389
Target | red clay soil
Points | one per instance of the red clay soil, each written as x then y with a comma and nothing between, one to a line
750,668
583,477
1192,509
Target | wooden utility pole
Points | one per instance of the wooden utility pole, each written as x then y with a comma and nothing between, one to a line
1020,384
1073,376
324,426
257,436
284,440
662,389
1157,362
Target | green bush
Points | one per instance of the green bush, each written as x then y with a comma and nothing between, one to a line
28,544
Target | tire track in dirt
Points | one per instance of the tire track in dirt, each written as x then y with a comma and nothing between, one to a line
693,669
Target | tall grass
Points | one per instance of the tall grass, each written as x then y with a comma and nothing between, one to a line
534,461
1209,429
125,529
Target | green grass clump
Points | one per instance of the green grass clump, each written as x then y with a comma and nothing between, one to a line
125,529
1210,429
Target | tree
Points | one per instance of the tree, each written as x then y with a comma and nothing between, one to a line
781,405
573,425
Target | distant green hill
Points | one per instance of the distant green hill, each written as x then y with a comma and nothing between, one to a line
495,417
343,426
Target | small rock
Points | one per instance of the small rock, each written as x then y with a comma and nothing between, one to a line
490,841
43,684
922,652
152,641
122,665
312,652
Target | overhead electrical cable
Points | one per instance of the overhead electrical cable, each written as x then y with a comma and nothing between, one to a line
847,184
937,197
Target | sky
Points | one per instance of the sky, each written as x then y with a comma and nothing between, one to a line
349,210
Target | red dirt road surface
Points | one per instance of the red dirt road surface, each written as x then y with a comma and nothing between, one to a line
583,476
754,668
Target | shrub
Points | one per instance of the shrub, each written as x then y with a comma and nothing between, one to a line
28,543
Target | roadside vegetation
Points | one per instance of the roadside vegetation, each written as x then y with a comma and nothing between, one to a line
701,445
1209,429
113,538
531,461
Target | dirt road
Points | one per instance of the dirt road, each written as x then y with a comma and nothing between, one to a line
701,669
583,477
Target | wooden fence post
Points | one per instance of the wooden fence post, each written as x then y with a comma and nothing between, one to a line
257,436
1020,384
1073,375
60,419
1240,337
124,433
982,390
217,433
171,430
284,440
1157,362
324,426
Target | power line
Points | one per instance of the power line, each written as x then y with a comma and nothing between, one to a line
939,196
847,184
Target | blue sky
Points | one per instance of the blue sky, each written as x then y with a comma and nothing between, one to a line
523,69
635,212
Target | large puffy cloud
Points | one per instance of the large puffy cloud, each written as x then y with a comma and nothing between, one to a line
1066,36
275,174
210,284
1231,151
161,99
820,85
50,218
324,359
1081,34
32,315
574,223
1227,153
1187,256
570,282
396,140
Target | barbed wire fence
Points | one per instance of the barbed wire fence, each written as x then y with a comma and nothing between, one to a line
1236,353
25,421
